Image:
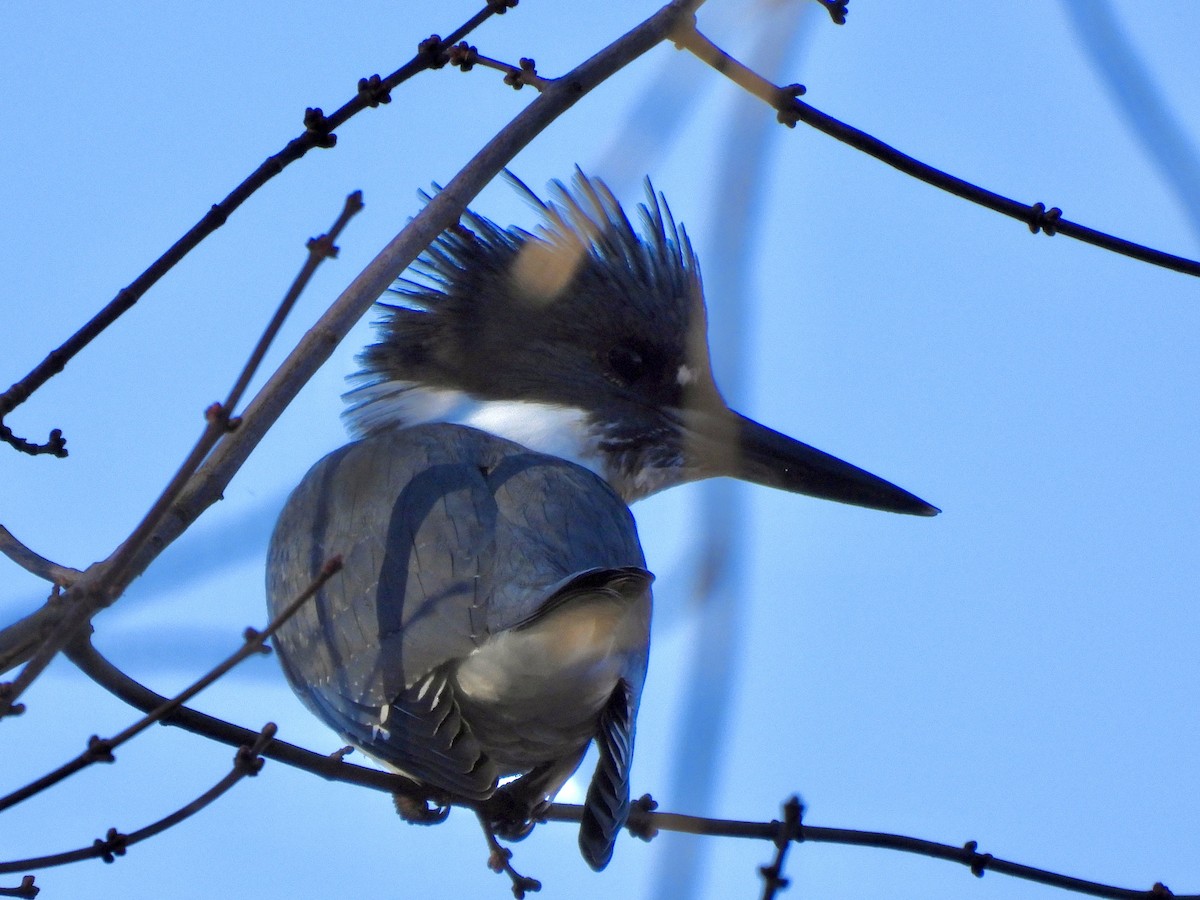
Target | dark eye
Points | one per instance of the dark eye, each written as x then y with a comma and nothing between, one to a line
626,363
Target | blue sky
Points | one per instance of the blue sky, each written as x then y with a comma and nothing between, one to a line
1020,671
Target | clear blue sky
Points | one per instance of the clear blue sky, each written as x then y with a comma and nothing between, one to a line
1021,671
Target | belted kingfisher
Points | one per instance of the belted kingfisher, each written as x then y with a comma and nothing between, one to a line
492,617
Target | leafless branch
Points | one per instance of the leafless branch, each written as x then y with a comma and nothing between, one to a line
644,819
101,749
319,249
101,584
318,132
786,832
25,889
466,57
21,642
331,767
500,862
35,563
98,587
247,761
791,110
220,416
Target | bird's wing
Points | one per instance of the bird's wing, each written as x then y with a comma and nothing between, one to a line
412,517
447,535
556,522
414,522
607,805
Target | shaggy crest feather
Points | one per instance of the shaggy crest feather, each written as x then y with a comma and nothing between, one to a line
498,313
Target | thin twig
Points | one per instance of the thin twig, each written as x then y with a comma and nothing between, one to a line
23,638
791,110
319,249
644,820
500,861
466,57
26,889
220,416
62,620
101,749
247,762
318,132
786,832
103,583
442,211
331,767
54,445
35,563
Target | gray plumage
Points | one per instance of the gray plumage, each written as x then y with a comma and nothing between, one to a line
492,616
442,533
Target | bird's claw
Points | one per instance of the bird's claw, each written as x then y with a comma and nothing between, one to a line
419,811
512,829
511,815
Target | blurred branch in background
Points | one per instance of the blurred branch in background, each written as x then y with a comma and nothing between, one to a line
718,572
1139,100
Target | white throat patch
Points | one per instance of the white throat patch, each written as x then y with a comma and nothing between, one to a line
561,431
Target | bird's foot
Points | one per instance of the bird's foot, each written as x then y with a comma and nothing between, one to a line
511,814
420,811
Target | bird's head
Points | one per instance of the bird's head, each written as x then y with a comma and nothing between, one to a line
587,339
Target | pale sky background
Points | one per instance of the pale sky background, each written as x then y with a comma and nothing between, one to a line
1021,671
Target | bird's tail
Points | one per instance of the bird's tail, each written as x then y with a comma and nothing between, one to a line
607,805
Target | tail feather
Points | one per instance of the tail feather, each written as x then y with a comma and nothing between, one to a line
607,805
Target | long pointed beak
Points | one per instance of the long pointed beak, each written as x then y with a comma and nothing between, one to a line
727,443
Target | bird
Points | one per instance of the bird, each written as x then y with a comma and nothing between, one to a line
492,616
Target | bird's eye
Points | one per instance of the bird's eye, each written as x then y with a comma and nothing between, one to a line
626,364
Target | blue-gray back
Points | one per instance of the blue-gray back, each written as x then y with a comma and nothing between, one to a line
448,534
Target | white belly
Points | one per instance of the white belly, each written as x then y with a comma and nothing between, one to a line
534,693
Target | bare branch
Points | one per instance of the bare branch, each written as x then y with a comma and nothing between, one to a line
500,861
54,445
247,761
319,249
35,563
318,132
791,110
220,421
331,767
442,211
100,585
644,821
21,642
101,749
25,889
466,57
785,832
